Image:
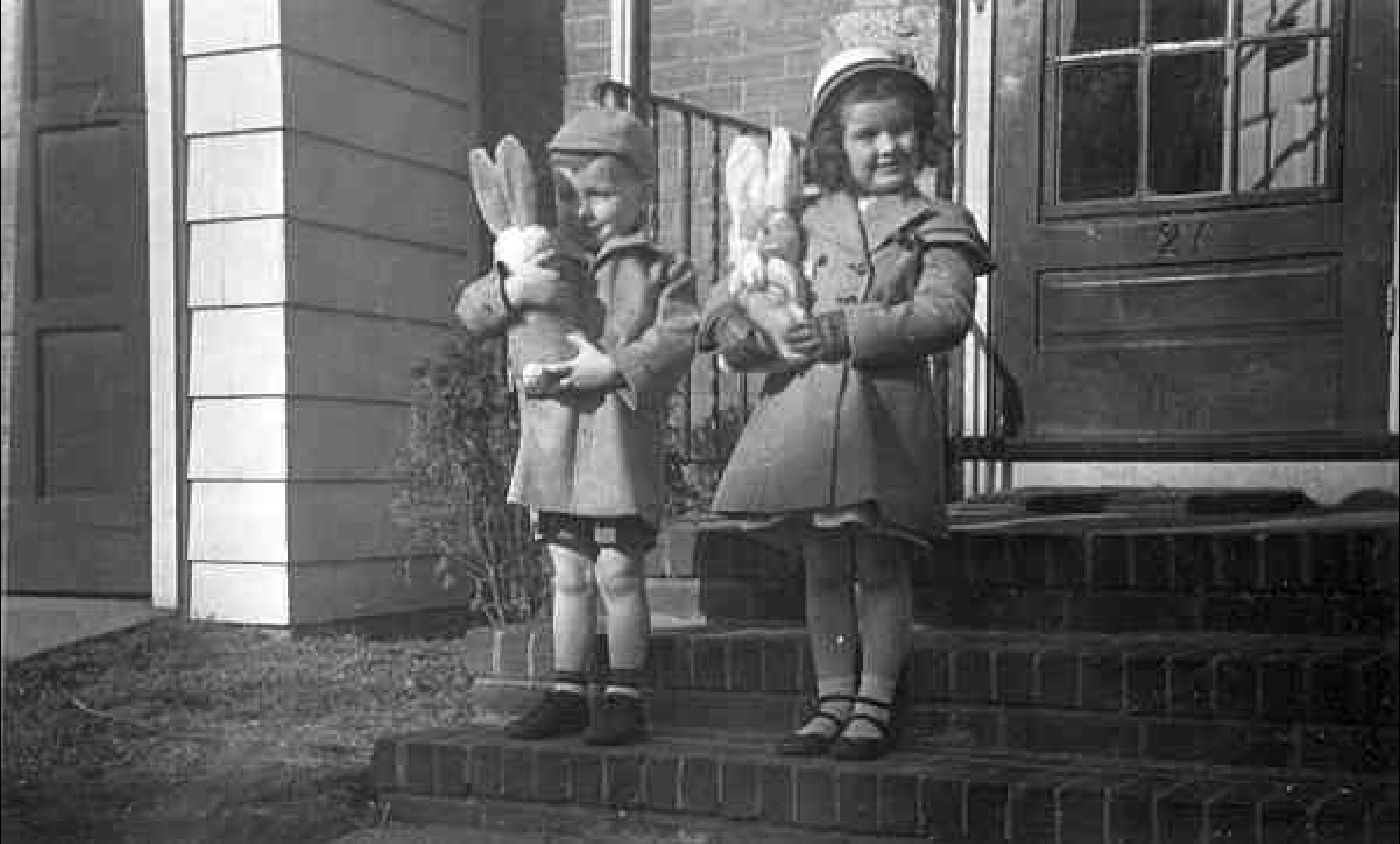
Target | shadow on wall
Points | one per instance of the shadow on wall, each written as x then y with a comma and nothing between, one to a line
524,74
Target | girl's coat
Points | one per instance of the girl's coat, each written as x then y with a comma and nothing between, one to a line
869,429
600,454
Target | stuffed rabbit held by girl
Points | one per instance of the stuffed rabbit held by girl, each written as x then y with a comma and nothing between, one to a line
763,189
507,196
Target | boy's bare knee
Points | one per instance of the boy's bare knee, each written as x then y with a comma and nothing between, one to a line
619,574
572,574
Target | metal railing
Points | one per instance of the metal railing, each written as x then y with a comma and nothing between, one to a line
689,215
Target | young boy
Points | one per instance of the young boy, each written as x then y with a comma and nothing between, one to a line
591,473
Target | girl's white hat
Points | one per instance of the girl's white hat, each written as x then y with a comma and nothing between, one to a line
855,60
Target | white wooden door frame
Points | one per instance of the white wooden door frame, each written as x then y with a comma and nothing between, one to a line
161,52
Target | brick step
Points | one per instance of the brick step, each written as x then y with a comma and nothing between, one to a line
487,821
1265,679
1349,552
991,606
1338,575
949,796
1363,748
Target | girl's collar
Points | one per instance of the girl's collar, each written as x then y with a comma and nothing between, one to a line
838,217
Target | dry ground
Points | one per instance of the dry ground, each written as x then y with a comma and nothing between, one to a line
181,731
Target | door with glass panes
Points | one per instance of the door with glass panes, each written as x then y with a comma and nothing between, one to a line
1193,208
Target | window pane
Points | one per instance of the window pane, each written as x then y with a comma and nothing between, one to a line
1266,17
1283,118
1088,25
1186,20
1186,123
1098,131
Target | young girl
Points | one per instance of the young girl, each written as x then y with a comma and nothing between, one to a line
848,449
590,462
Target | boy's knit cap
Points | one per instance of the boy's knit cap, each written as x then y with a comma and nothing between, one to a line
599,129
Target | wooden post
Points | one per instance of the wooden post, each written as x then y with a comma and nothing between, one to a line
631,47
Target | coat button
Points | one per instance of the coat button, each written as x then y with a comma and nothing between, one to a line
859,268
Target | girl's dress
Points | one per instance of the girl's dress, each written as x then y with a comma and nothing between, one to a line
862,440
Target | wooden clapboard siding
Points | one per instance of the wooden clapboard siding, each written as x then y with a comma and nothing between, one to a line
238,439
347,270
378,194
237,262
389,41
341,520
324,426
331,217
235,202
401,121
237,352
235,176
382,107
352,357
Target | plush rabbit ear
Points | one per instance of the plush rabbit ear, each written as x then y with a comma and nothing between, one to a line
520,181
744,184
490,188
784,184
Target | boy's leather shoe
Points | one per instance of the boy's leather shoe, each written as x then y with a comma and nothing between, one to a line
619,720
557,714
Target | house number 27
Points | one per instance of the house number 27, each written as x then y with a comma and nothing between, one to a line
1176,238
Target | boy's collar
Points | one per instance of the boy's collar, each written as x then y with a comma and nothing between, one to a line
625,241
837,217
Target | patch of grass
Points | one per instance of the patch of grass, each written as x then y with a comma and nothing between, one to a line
183,731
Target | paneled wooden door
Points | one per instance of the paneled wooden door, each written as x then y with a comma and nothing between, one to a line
1193,219
80,422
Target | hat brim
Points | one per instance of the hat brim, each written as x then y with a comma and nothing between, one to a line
823,98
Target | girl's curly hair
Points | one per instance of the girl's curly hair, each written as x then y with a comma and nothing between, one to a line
826,157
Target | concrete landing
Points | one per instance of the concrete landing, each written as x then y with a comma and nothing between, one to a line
33,625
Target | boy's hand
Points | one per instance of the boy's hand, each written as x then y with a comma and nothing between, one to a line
590,369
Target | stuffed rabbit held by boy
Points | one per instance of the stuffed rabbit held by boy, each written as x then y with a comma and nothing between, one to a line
507,196
766,290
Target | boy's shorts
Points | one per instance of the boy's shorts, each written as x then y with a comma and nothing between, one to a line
586,534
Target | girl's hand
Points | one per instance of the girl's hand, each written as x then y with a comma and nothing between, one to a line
590,369
822,338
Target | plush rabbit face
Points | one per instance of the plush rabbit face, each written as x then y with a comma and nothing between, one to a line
763,189
506,194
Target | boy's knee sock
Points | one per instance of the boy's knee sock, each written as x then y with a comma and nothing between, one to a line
575,609
623,592
624,681
573,682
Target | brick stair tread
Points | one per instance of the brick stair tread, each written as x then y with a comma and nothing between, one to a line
975,518
1263,701
948,795
719,657
1214,500
485,821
